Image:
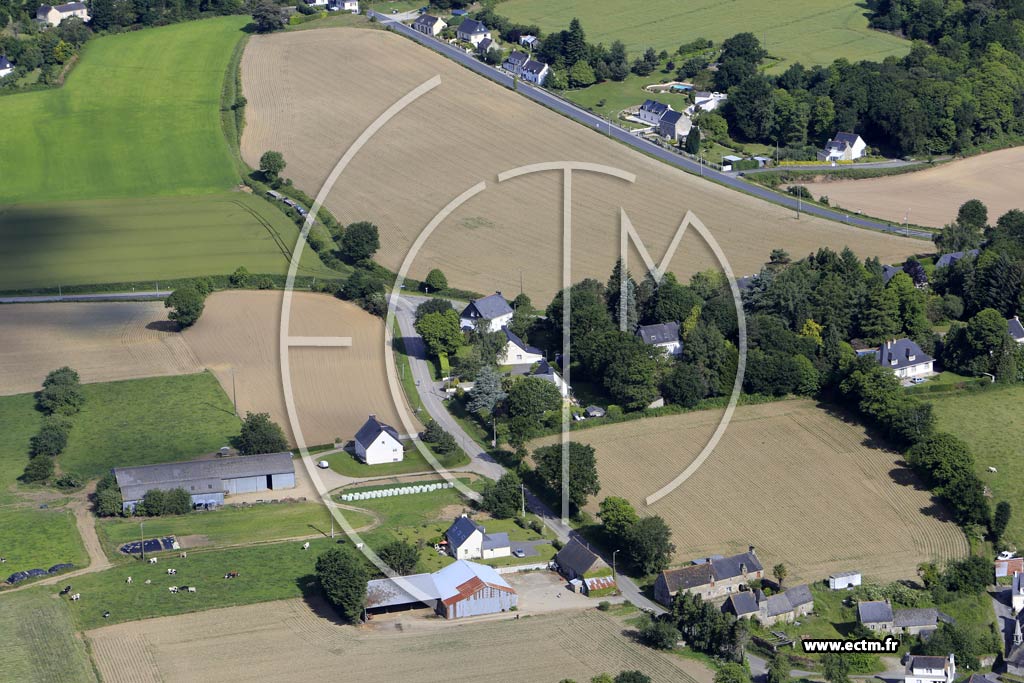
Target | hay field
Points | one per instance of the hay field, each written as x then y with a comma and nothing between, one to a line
335,388
468,130
104,341
933,196
799,484
287,641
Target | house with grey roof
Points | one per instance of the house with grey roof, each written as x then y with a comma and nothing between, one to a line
1015,329
55,14
535,72
547,373
905,358
207,481
844,147
518,352
515,62
771,609
493,309
1014,658
462,589
674,125
664,336
467,540
915,621
651,111
926,669
429,25
947,260
876,615
743,604
472,31
889,272
711,578
577,562
6,68
377,443
486,45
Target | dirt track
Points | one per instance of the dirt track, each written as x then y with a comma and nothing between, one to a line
467,130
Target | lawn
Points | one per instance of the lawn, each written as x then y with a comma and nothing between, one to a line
230,525
989,421
413,461
144,241
39,643
34,538
19,421
807,31
139,116
146,421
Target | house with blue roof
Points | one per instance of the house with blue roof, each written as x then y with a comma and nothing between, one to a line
651,111
494,309
472,31
947,260
1015,329
467,540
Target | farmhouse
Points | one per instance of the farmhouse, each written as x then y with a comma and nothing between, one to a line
377,443
844,580
494,309
207,481
467,540
535,72
915,621
462,589
673,125
905,358
547,373
786,606
921,669
486,45
429,25
54,14
345,5
515,62
583,568
947,260
1015,329
843,147
663,336
876,615
518,352
652,111
709,578
5,67
472,31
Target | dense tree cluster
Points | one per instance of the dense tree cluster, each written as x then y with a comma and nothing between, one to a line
33,47
583,480
343,575
60,398
260,434
156,503
188,301
708,629
646,543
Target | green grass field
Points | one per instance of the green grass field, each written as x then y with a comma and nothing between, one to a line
413,461
31,538
145,240
989,421
39,643
19,421
138,117
230,525
145,421
807,31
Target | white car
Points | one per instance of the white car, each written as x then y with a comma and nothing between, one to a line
519,552
1006,555
323,464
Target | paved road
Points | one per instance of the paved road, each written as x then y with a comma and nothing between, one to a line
826,168
482,462
566,108
1004,615
111,296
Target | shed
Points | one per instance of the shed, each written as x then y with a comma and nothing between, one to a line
844,580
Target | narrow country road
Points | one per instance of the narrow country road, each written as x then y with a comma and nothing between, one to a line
110,296
482,462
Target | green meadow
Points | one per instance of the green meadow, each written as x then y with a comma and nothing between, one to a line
39,643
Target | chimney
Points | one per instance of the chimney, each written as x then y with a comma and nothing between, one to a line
752,550
1018,637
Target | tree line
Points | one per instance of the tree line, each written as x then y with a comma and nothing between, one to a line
59,400
32,47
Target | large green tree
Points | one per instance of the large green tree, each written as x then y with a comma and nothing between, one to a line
359,242
503,498
260,434
343,575
441,332
649,544
617,516
186,304
531,397
271,164
583,479
401,556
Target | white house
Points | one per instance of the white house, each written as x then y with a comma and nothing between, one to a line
547,373
662,335
674,125
429,25
518,352
472,31
652,111
844,147
378,443
515,62
54,14
493,309
343,5
1013,324
6,68
535,72
844,581
921,669
467,540
905,358
1017,593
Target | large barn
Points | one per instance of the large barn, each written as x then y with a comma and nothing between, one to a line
462,589
208,481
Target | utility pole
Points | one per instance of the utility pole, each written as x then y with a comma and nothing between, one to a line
799,205
614,575
142,539
332,525
522,492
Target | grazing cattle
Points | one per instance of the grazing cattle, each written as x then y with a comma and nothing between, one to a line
305,546
128,580
231,575
172,571
76,596
106,614
992,469
67,589
148,581
191,589
173,589
152,560
3,560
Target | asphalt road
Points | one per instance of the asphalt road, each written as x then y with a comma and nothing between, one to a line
582,116
114,296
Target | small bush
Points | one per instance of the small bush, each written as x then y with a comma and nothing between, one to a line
239,278
67,481
39,469
604,605
800,191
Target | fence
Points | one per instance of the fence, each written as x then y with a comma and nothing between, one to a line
521,568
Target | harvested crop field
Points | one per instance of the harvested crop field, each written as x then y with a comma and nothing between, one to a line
806,488
469,129
288,641
933,196
103,341
335,388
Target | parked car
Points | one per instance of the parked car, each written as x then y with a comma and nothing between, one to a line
323,464
1006,555
519,552
918,380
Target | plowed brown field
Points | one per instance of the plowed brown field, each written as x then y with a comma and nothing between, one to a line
806,488
469,129
103,341
286,641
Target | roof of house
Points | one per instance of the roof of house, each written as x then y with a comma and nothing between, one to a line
517,57
595,411
742,603
5,64
926,662
205,475
797,596
528,39
371,429
489,307
456,581
732,157
889,272
660,333
388,592
901,351
843,575
655,107
499,540
1015,328
579,558
671,117
1010,566
926,616
486,44
472,27
950,259
714,568
460,531
874,612
597,583
848,138
514,338
67,7
428,20
534,67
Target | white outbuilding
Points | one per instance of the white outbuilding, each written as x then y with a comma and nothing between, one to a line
377,443
844,580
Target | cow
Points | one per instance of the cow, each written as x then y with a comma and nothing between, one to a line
173,589
152,560
183,555
128,580
172,572
148,581
106,614
76,596
305,546
67,589
191,589
231,575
